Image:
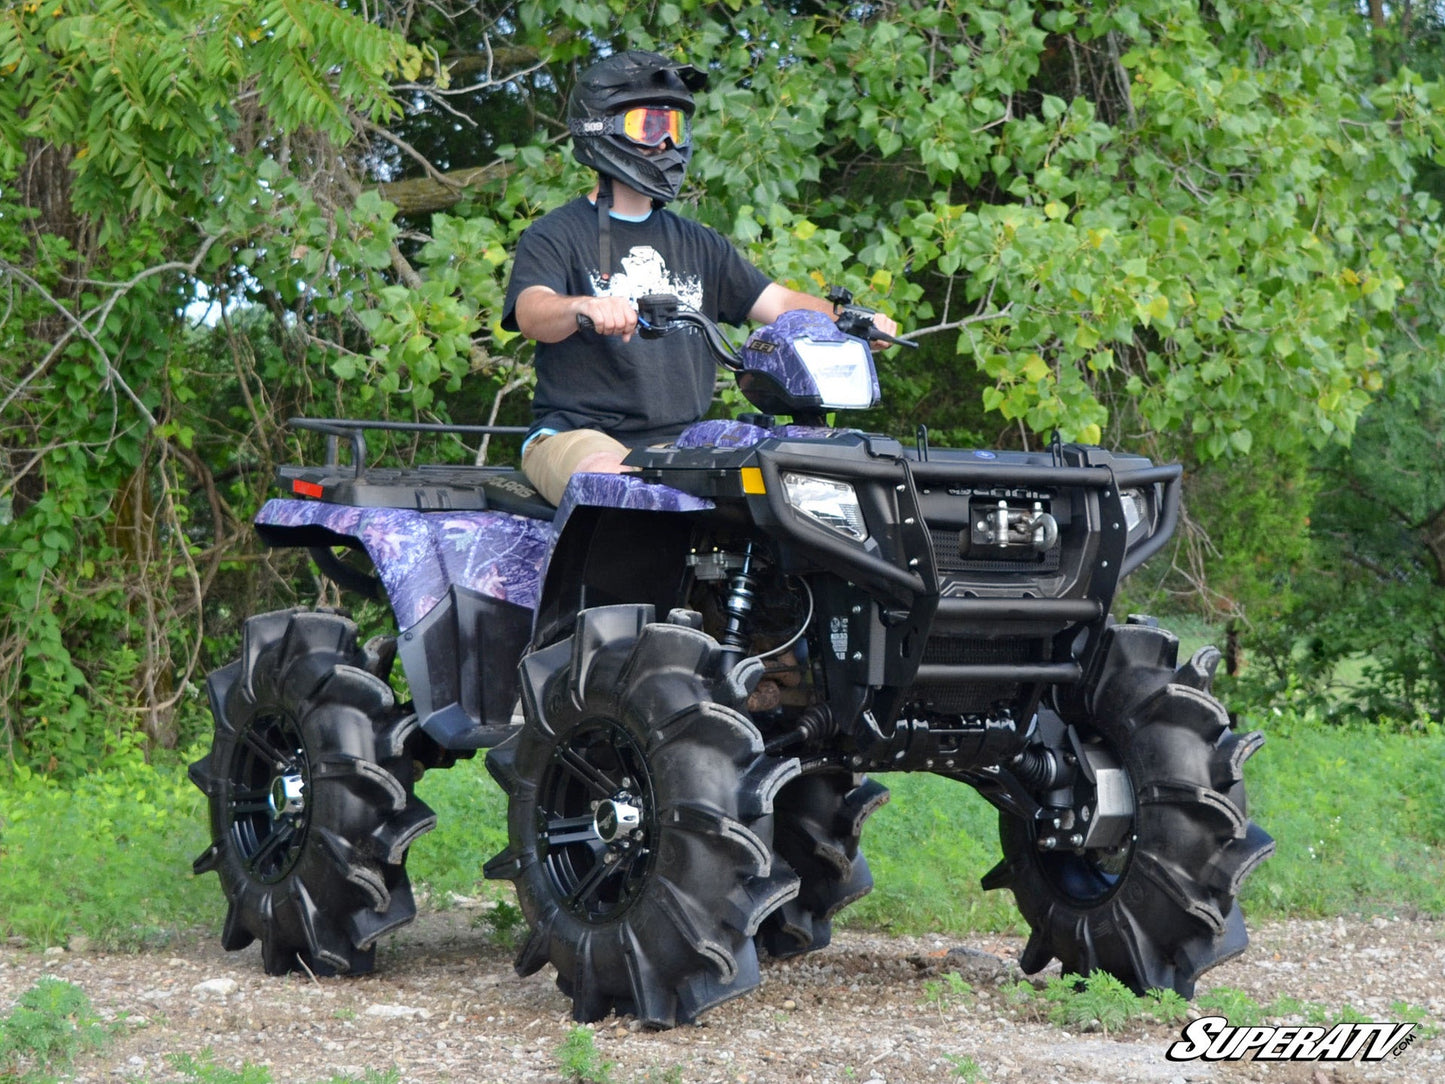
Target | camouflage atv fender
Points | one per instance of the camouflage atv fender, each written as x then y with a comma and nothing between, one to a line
420,556
462,585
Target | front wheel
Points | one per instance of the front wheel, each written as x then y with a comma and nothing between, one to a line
639,820
1157,908
310,790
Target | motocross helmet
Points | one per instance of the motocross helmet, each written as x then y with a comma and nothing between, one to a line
630,117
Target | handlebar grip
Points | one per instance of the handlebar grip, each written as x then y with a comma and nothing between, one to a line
892,340
585,322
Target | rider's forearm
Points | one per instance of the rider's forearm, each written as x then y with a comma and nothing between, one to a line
777,299
547,316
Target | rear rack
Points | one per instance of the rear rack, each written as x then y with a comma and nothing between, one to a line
428,488
353,430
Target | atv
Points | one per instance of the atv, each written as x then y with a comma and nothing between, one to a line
710,654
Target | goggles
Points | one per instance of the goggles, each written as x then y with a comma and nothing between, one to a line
649,125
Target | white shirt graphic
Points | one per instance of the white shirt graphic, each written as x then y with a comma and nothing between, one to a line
645,272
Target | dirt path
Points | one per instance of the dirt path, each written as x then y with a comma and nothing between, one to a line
446,1006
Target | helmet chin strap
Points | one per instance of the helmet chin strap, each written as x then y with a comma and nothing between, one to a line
604,226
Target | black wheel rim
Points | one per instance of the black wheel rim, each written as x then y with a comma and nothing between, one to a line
266,807
1089,878
597,821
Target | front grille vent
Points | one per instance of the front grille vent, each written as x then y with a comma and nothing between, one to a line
947,547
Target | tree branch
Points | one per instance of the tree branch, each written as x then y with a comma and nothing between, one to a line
423,195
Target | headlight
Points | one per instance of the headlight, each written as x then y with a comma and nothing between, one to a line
1138,519
833,504
843,372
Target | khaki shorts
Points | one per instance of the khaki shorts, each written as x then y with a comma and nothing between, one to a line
550,459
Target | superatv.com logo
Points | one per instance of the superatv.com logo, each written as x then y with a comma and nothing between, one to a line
1213,1038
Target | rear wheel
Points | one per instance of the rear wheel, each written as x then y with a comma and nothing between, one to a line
1158,908
819,823
639,820
310,790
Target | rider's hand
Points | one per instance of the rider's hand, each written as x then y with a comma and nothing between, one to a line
884,324
610,315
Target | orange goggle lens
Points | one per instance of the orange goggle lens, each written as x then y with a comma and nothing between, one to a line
650,125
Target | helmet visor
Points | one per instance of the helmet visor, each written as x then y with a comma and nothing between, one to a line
650,125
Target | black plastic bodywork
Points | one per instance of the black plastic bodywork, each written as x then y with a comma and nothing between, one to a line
461,661
934,648
936,652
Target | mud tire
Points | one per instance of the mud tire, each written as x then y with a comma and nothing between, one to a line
818,827
627,714
318,878
1165,911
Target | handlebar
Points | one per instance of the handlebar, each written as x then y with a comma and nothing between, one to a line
662,314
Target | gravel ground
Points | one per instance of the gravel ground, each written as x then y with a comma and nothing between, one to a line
445,1005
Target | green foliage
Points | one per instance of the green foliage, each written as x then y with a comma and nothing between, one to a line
1096,1001
1100,1001
957,831
1166,1006
506,925
137,827
202,1069
1365,638
1312,1012
579,1059
143,93
1208,232
1104,236
1247,547
1405,1012
1234,1005
49,1026
471,828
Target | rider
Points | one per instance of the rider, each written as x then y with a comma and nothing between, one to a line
604,390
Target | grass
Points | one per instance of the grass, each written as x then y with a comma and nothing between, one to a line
135,828
1358,816
1101,1002
947,993
132,828
53,1023
204,1070
471,828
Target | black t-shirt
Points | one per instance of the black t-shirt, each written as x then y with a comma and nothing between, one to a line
643,390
